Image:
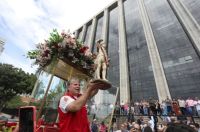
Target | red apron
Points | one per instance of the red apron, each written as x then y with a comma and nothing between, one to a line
73,121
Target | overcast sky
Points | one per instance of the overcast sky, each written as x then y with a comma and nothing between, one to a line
24,23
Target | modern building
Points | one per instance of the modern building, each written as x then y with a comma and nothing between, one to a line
154,47
1,45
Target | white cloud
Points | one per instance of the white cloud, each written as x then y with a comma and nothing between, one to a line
28,22
25,65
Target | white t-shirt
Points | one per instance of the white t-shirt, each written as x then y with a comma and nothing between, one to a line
181,103
151,122
198,105
64,103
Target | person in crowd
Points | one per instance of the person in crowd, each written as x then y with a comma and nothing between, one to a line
152,106
182,105
167,119
94,126
158,108
164,108
194,110
141,108
189,120
198,107
145,107
136,108
147,129
169,105
129,125
190,105
175,107
179,128
117,108
122,107
72,110
126,108
103,127
162,127
155,120
136,128
132,108
151,122
114,124
196,127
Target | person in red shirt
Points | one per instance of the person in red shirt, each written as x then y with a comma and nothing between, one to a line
72,110
102,127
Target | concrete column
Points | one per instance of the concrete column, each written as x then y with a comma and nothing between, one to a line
188,22
123,58
158,71
83,33
92,33
105,26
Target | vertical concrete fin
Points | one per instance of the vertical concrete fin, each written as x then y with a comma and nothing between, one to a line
158,71
123,58
188,22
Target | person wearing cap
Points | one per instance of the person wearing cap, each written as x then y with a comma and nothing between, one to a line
94,126
101,60
72,110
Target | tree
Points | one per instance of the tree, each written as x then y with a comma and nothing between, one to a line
14,81
15,102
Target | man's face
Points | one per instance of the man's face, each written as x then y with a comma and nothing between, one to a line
74,88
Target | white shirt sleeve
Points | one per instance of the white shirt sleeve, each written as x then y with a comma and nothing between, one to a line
64,103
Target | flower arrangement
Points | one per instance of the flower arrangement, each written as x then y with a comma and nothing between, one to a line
63,46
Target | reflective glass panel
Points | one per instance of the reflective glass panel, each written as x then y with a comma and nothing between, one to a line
42,84
113,47
98,33
194,8
141,75
50,109
180,61
79,33
87,36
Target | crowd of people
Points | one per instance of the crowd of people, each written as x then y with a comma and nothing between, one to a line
150,115
147,124
143,115
179,106
152,125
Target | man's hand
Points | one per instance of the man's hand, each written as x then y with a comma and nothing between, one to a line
93,86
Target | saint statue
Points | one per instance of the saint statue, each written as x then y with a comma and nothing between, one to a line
101,61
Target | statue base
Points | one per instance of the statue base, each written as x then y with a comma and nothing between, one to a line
106,85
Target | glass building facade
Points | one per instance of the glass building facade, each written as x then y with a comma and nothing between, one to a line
141,76
87,34
178,54
97,33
